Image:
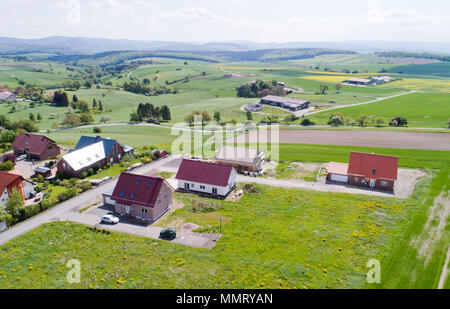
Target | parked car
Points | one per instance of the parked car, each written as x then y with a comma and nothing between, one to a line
168,234
22,157
110,219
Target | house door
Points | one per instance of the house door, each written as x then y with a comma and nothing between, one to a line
187,186
128,210
214,191
372,183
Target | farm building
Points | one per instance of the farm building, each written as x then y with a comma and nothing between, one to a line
7,96
287,103
141,197
379,80
37,147
368,170
113,150
9,182
359,81
204,177
242,159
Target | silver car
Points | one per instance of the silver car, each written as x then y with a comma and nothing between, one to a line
110,219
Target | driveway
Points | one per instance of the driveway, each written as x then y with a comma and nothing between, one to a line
128,225
404,187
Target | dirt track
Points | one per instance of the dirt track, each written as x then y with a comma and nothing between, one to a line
384,139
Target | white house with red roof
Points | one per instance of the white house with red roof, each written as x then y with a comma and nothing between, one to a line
205,177
369,170
6,95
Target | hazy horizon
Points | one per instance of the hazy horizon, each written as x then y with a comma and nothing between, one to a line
201,21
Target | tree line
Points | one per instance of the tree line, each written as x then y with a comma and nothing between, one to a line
146,111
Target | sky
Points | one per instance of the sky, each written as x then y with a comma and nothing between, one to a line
230,20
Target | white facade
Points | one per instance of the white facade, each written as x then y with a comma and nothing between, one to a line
208,188
4,197
339,178
28,189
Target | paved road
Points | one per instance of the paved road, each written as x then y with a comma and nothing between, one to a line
362,103
68,211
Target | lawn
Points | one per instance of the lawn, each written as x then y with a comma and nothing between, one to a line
421,110
299,239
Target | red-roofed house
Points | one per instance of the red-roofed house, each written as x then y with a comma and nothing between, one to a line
37,147
142,197
204,177
9,181
369,170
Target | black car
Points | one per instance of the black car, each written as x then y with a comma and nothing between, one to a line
168,234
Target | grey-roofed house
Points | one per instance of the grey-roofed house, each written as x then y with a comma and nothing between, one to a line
242,159
114,151
286,103
6,96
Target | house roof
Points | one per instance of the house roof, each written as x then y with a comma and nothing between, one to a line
204,172
35,144
239,154
284,100
6,95
108,144
373,166
337,168
137,189
84,157
7,179
358,80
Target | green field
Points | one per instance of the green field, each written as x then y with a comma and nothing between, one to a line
135,136
441,69
420,109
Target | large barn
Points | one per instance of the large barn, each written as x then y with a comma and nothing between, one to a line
286,103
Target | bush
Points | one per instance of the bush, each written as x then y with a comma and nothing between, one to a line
6,166
251,188
307,122
97,130
336,120
205,206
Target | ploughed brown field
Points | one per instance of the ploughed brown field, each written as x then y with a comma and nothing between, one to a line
383,139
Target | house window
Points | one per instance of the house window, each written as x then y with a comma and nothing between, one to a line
193,185
159,199
143,210
356,179
138,182
132,196
384,183
203,187
149,184
122,194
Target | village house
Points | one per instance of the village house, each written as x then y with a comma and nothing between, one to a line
242,159
37,147
286,103
7,96
9,182
368,170
114,151
90,152
141,197
76,162
205,177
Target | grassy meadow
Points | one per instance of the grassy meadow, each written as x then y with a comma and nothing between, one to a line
420,109
300,239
